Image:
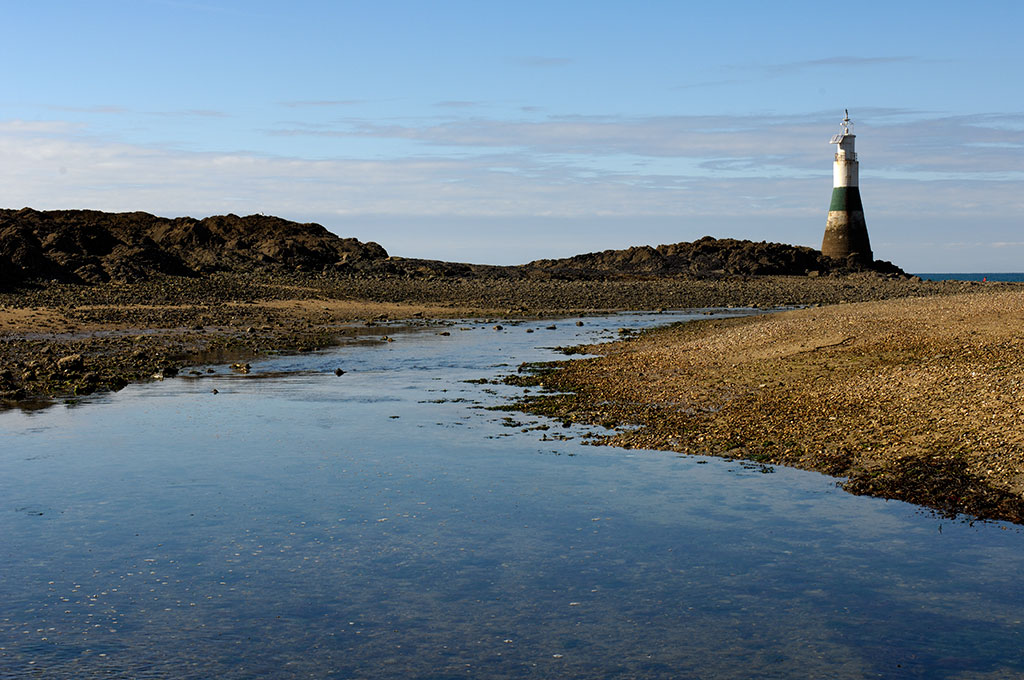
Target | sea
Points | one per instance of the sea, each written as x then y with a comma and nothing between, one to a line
394,521
974,276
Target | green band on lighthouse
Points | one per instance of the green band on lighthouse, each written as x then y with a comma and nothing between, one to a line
845,199
846,235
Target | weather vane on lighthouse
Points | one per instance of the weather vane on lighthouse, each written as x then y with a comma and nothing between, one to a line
846,234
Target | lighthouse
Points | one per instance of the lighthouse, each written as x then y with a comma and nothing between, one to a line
846,234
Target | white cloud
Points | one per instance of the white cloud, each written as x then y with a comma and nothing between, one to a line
38,127
757,177
900,145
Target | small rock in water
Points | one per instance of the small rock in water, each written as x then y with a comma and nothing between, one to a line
498,327
579,323
214,391
552,327
339,372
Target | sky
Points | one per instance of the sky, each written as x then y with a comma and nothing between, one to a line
501,132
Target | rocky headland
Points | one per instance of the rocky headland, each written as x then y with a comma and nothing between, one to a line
88,246
92,247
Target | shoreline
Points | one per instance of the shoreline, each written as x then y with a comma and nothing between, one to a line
908,389
61,340
916,399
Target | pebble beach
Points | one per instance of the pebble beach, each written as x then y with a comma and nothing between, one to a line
919,399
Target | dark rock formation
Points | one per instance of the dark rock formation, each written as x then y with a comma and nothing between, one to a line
86,246
91,246
706,258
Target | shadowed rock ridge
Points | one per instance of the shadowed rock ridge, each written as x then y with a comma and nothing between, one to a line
88,246
709,257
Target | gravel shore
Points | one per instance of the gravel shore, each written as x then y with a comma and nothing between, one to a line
128,332
910,390
919,399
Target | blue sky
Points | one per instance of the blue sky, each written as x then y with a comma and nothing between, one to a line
501,132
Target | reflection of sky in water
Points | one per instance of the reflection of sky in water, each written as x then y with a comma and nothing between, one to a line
294,527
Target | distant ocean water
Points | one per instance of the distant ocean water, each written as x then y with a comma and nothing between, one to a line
997,276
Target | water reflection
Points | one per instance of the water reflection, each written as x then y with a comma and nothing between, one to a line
379,523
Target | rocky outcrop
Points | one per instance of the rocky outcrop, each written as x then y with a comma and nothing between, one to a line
86,246
91,246
706,257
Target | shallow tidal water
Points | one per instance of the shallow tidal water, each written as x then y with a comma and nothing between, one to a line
384,524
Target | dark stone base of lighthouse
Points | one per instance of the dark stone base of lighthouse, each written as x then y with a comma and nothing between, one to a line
846,233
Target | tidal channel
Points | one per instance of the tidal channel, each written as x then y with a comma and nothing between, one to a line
384,523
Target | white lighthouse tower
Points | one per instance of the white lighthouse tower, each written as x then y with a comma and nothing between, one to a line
846,234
